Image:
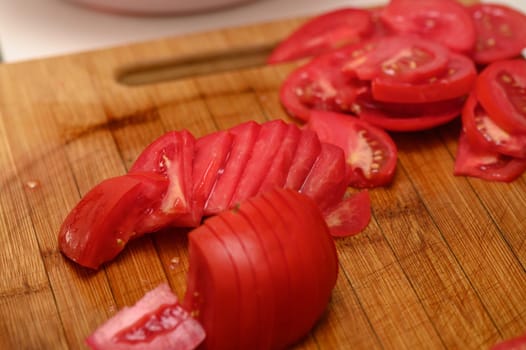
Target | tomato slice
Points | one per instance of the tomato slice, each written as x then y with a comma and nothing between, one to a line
457,81
501,90
172,156
245,136
369,151
109,215
501,32
351,216
308,150
323,33
486,164
481,130
516,343
157,321
407,116
402,57
443,21
320,85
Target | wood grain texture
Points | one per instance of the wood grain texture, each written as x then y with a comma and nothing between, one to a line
442,264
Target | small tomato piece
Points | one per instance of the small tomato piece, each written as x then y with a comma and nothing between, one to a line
351,216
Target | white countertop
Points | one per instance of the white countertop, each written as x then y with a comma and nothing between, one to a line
40,28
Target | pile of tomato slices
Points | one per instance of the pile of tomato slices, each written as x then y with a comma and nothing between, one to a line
411,66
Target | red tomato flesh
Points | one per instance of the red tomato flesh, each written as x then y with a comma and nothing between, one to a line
156,322
308,150
351,216
443,21
369,151
483,132
109,215
517,343
323,33
486,164
457,81
501,32
501,90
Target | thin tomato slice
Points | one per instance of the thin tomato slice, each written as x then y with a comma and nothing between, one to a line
443,21
501,90
501,32
351,216
405,58
309,147
457,81
481,130
486,164
369,151
324,33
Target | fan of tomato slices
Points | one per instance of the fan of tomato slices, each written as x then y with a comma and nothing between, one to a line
417,65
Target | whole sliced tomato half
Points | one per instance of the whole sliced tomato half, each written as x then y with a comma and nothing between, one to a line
323,33
501,32
501,90
406,58
172,156
443,21
481,130
458,80
369,151
475,161
407,116
320,85
156,322
109,215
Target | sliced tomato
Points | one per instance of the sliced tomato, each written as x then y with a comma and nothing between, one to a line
486,164
323,33
262,156
245,136
172,156
501,32
157,321
443,21
458,80
308,150
296,245
351,216
501,90
320,85
517,343
369,151
481,130
405,58
407,116
109,215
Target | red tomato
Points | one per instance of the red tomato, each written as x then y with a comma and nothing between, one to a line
170,155
320,85
369,151
486,164
518,343
245,136
501,90
457,81
482,131
308,150
442,21
402,57
351,216
293,247
324,33
407,116
501,32
156,322
109,215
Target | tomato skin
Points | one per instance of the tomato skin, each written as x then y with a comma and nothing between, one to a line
369,151
156,322
486,164
109,215
443,21
501,32
323,33
501,90
304,278
458,80
482,131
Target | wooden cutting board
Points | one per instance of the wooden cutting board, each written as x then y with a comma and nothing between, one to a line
441,265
